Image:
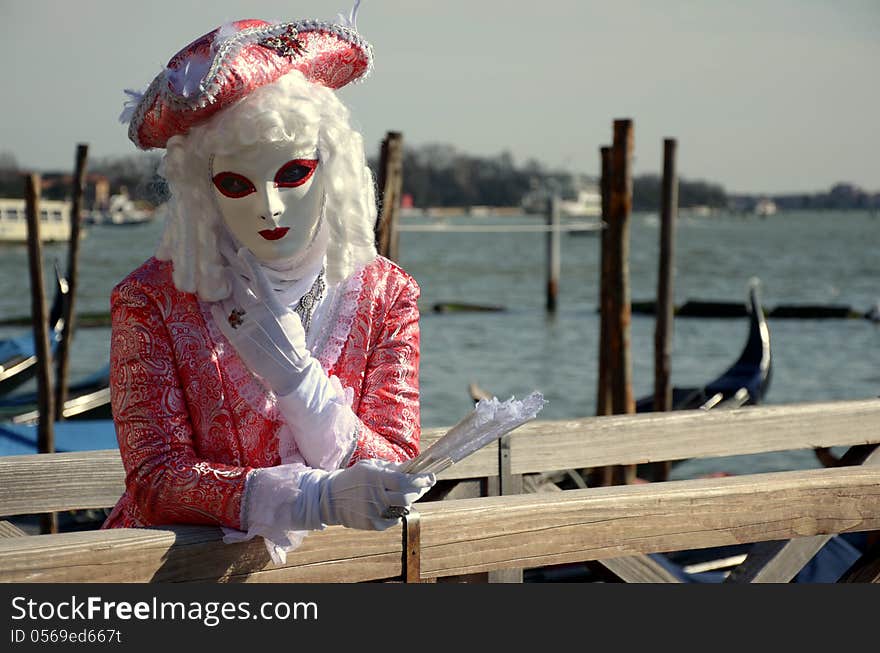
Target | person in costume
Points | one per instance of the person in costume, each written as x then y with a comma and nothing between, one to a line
264,364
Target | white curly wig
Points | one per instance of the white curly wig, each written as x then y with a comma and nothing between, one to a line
283,111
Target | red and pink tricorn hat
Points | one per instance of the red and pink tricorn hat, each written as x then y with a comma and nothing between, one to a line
228,63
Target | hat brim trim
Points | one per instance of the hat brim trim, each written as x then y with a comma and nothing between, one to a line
160,90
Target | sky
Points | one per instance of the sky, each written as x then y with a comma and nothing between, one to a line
763,96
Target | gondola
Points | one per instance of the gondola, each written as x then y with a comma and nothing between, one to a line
18,356
87,399
745,382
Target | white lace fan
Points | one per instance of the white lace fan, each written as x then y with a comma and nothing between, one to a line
490,420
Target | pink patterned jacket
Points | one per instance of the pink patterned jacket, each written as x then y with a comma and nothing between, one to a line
192,421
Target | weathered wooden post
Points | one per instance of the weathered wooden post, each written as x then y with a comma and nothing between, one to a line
390,183
553,253
63,355
665,306
507,483
45,428
603,394
603,475
619,208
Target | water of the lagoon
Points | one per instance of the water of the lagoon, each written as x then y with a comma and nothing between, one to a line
807,258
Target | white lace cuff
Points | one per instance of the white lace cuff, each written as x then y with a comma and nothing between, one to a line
278,505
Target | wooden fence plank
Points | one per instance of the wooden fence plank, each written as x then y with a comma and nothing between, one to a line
534,530
780,562
94,479
8,529
503,484
192,553
777,562
550,445
638,569
678,435
61,481
475,535
630,569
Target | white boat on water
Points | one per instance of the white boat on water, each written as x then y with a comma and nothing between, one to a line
54,220
584,201
587,203
765,207
120,210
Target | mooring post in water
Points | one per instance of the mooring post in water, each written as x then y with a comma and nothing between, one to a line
390,184
63,355
46,424
665,305
603,394
619,208
603,475
553,253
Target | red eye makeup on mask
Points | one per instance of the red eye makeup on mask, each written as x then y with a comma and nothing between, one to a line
295,173
292,174
234,185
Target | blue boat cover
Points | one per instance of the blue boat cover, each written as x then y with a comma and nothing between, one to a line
13,347
72,435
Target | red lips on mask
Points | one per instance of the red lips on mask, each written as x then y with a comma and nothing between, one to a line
274,234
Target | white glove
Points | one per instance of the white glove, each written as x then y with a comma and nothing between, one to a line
319,415
270,339
370,495
284,502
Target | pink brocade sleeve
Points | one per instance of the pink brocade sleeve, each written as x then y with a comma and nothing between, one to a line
167,480
389,402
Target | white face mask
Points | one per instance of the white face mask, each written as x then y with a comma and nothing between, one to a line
271,197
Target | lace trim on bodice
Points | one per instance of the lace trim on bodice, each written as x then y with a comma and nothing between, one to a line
339,311
335,318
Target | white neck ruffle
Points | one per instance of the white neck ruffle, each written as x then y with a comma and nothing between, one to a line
290,277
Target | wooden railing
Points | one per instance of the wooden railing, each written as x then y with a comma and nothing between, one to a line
793,513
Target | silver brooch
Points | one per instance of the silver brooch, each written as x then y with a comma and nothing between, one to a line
306,305
285,44
235,316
